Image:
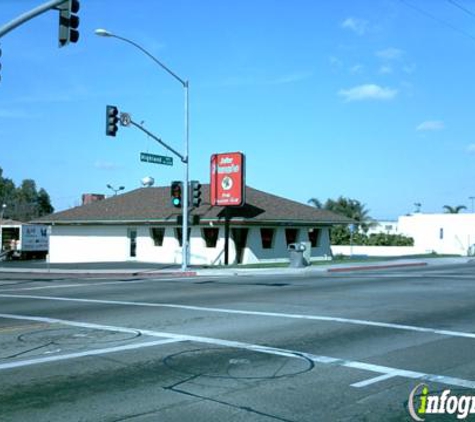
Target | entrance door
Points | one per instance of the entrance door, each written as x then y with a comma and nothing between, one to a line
132,243
240,238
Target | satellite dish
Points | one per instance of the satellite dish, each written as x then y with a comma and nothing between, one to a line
148,181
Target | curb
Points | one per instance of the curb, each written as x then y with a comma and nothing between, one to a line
376,267
94,274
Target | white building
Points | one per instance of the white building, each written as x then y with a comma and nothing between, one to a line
143,225
385,227
440,233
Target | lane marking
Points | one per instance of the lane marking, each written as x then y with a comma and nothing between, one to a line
385,372
374,380
95,352
64,286
362,322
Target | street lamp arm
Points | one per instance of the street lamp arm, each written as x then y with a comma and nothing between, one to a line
184,83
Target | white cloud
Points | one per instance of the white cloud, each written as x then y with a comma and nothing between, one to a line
385,70
430,125
368,92
358,26
335,61
106,165
471,149
390,54
357,68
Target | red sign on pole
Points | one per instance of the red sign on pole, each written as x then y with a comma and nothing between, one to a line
228,185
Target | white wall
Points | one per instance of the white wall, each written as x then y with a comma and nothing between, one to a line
382,251
102,243
458,232
254,252
88,244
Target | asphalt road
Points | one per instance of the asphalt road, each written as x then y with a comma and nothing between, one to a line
342,347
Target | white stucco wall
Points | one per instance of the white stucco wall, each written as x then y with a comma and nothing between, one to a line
88,244
378,251
441,233
112,244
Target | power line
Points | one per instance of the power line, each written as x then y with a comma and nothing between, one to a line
468,11
435,18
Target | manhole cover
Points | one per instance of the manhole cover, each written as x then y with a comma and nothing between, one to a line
236,363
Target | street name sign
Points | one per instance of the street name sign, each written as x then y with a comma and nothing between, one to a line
156,159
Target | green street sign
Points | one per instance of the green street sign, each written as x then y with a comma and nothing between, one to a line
156,159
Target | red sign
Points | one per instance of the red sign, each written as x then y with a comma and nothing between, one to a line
228,185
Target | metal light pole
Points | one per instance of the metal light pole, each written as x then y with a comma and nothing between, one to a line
115,190
3,211
472,199
185,159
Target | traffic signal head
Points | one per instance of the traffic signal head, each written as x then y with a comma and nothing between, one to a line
175,190
111,120
68,22
195,193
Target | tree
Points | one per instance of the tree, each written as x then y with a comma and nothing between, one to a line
351,208
44,203
454,210
24,202
315,202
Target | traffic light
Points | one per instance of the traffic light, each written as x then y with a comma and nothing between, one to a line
111,120
175,190
68,22
195,193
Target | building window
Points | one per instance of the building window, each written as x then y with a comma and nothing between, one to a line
314,237
157,234
267,238
210,235
291,236
441,234
179,237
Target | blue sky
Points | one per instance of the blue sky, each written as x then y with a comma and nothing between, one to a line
368,99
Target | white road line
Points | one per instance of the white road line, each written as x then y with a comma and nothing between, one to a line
374,380
97,284
96,352
385,371
363,322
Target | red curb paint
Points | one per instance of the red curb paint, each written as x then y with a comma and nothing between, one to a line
375,267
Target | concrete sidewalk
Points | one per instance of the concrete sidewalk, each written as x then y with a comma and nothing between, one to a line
142,269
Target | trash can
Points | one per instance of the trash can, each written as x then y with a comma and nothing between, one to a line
296,251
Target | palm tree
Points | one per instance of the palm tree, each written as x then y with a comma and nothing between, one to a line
454,210
315,202
351,208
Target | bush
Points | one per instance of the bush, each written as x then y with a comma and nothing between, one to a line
341,235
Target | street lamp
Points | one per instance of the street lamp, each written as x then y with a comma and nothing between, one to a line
3,210
115,190
185,159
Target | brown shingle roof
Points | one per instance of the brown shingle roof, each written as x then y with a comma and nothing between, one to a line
149,205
